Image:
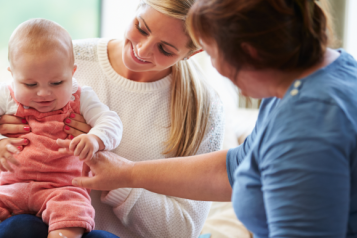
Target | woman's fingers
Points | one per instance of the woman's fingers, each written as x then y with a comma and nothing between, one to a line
86,182
110,172
78,123
12,149
8,156
71,131
4,162
6,129
19,142
77,117
85,170
2,167
13,125
9,119
63,143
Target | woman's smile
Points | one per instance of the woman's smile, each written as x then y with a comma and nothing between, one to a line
136,57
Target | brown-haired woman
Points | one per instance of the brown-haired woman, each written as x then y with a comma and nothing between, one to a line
296,174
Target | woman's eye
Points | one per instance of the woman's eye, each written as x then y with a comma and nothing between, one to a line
57,83
140,30
164,51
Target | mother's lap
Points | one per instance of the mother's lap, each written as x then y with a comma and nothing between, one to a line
30,226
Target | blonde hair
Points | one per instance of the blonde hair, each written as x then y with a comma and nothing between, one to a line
39,36
190,97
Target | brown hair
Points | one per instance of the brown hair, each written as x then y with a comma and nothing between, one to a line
285,34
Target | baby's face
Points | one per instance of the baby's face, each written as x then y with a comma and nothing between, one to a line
42,82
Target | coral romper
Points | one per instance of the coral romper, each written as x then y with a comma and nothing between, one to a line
42,185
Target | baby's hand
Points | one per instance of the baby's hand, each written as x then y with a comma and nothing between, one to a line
8,147
84,146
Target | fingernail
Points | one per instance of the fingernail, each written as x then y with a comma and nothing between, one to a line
19,147
71,137
68,120
27,128
66,128
72,115
25,141
24,121
74,182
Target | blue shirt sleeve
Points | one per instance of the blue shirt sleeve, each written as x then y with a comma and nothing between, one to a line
305,170
236,155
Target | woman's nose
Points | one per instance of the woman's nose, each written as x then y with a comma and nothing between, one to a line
145,49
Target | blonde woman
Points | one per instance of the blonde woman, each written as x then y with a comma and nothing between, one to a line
167,110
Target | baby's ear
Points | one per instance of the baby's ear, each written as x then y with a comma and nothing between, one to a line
9,69
74,69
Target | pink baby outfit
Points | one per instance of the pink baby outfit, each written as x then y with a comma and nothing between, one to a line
42,185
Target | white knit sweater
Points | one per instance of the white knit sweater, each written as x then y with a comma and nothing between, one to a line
144,111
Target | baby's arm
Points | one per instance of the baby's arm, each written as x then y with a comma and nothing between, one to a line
106,124
106,131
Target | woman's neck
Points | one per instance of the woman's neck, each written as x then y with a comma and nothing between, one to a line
286,79
115,49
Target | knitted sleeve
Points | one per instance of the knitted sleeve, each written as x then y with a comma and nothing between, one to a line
149,214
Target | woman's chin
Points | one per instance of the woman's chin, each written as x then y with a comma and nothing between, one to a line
133,66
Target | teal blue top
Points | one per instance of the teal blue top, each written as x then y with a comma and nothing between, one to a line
296,174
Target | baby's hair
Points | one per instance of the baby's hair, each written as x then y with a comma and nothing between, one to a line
38,36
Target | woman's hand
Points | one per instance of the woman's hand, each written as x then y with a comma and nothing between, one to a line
8,147
75,125
10,125
185,177
110,172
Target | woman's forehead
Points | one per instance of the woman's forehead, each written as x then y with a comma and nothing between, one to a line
162,26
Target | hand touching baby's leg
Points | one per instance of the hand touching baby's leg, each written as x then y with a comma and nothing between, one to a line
72,232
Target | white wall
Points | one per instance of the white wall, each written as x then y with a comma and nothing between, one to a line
116,15
350,35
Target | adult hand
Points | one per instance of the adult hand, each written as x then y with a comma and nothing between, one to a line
75,125
8,147
11,125
110,172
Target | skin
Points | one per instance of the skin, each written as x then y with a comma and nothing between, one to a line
191,177
145,34
188,177
43,82
155,37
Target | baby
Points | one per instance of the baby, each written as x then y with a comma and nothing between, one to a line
45,94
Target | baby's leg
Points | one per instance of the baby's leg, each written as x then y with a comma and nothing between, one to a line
4,211
13,199
64,208
72,232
